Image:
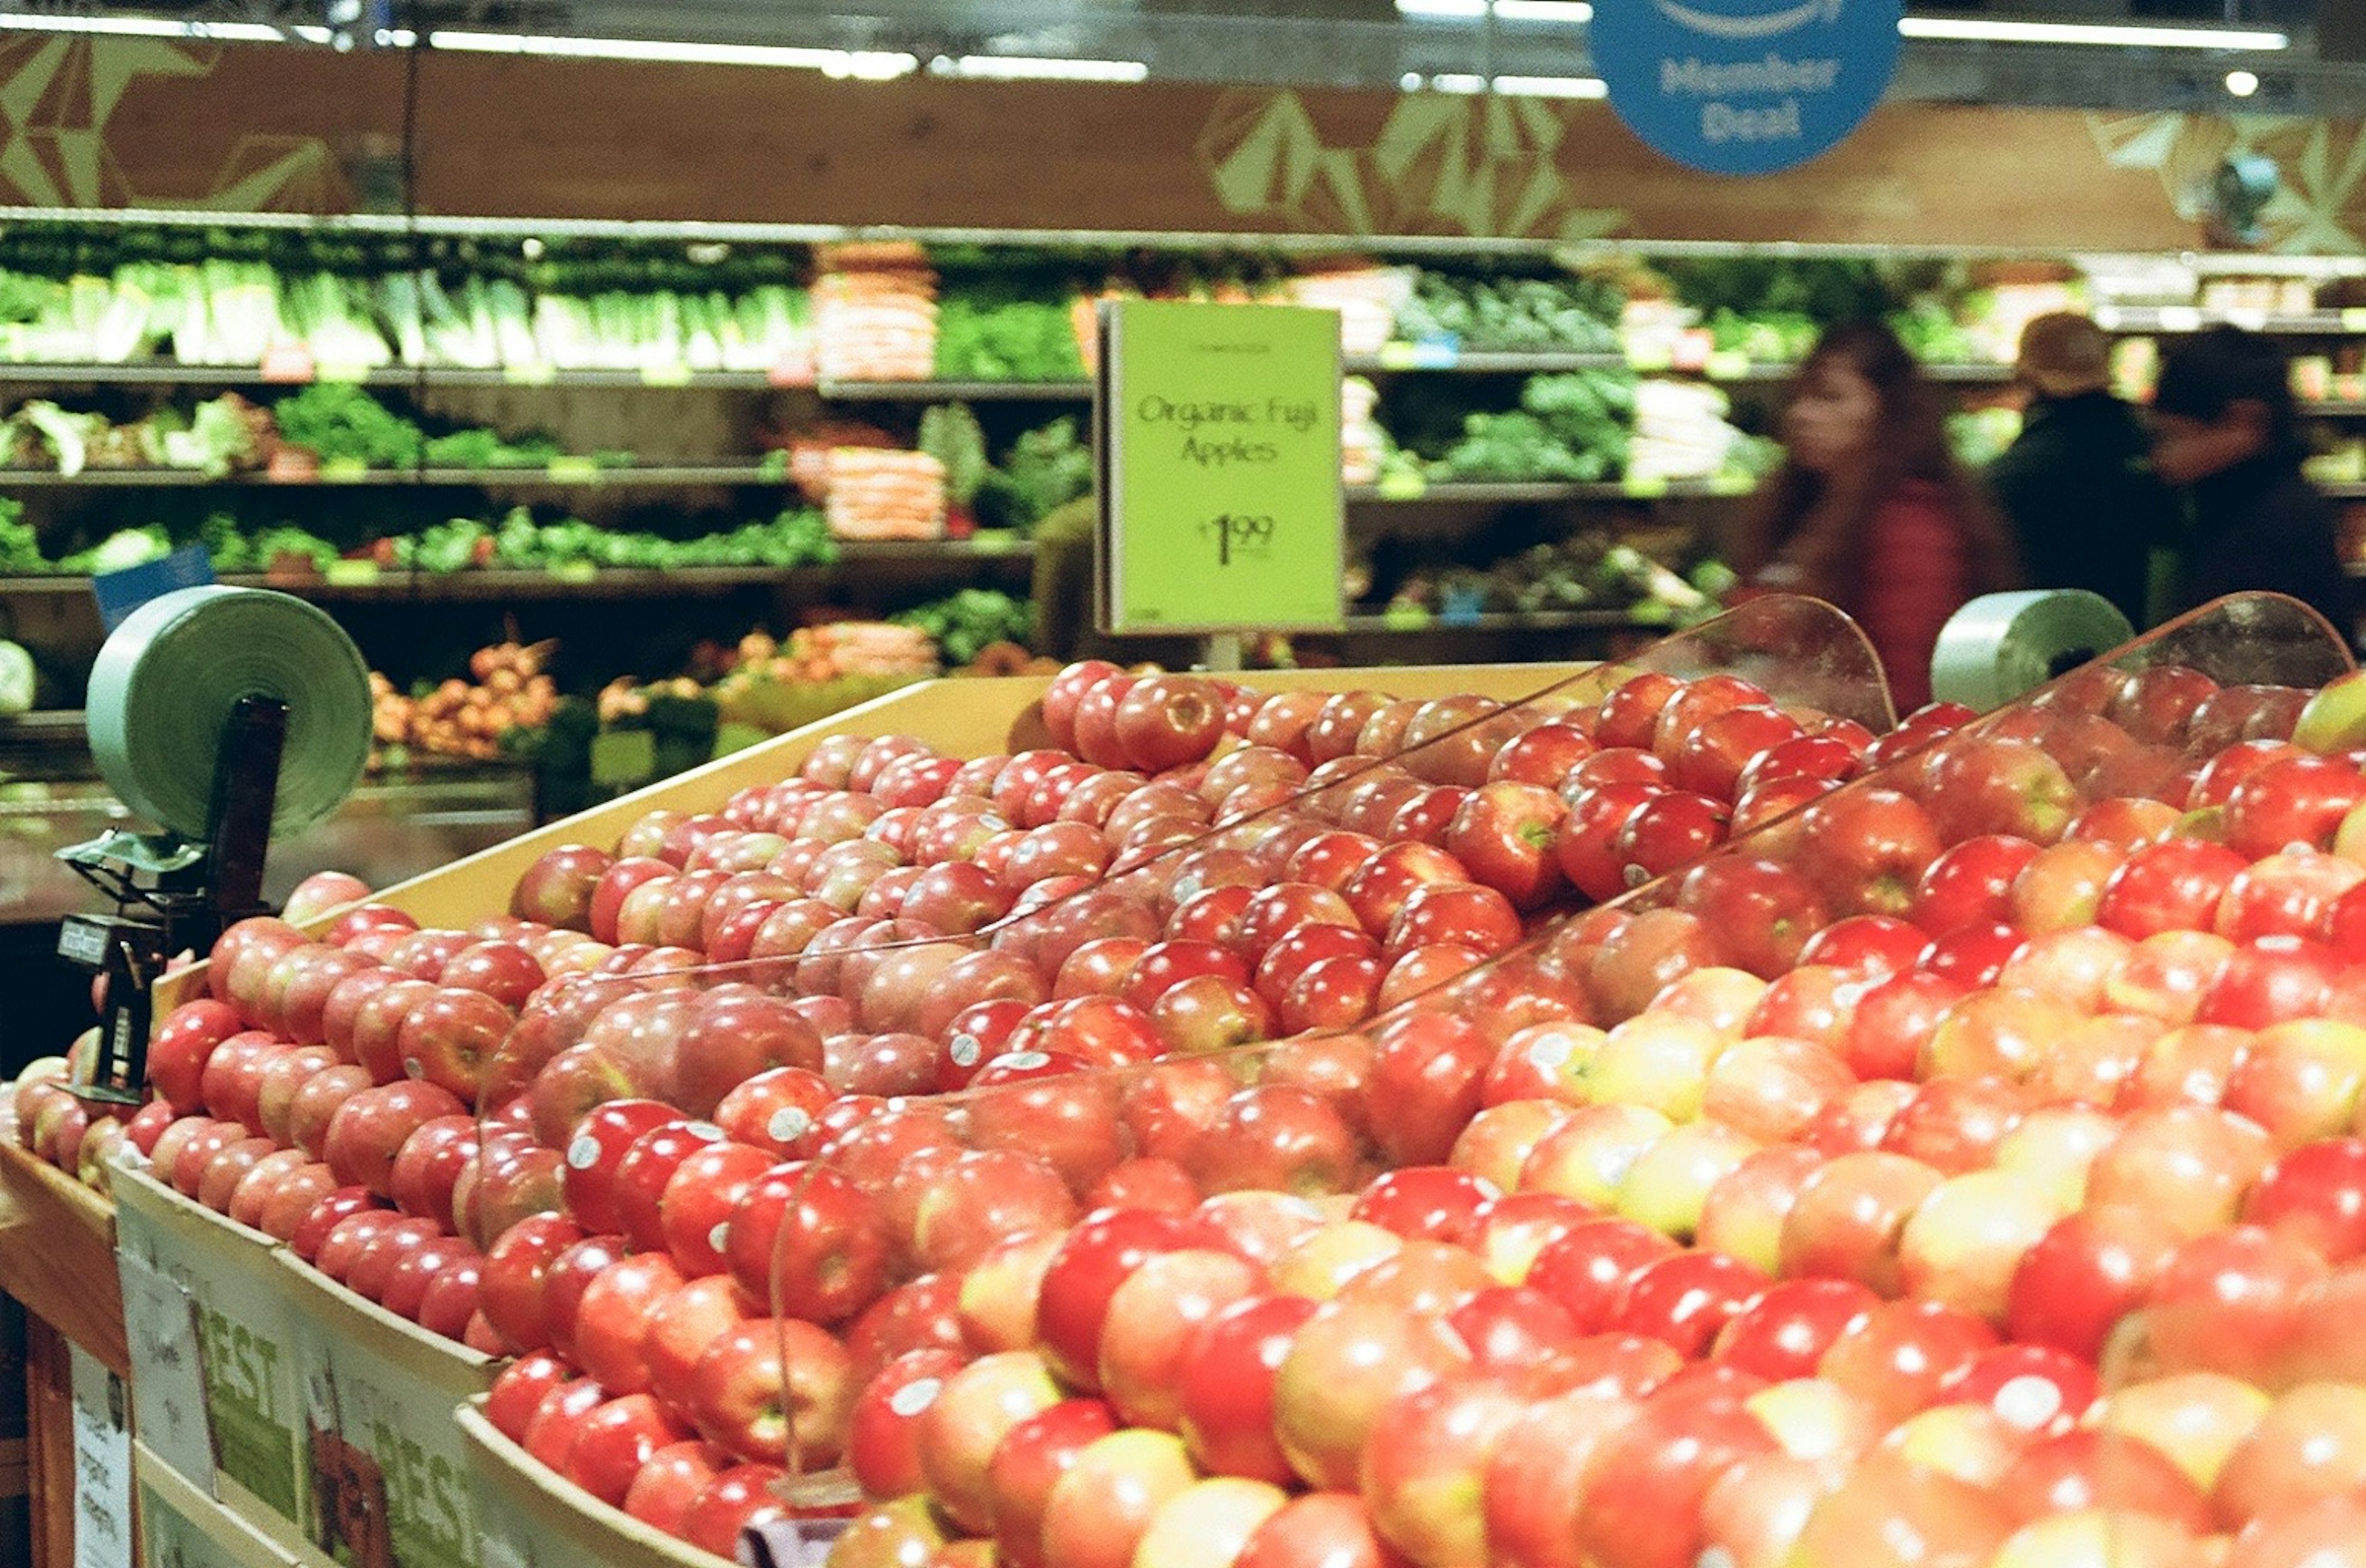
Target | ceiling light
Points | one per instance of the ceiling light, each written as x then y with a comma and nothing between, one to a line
2242,83
1552,87
145,27
869,65
1034,68
1568,11
1971,31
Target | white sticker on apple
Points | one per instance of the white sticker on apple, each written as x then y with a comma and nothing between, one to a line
788,1124
914,1396
2027,1401
721,1234
584,1152
966,1050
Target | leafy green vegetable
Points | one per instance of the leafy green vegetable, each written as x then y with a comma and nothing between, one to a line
1044,469
1002,330
336,421
950,434
964,623
20,547
1513,314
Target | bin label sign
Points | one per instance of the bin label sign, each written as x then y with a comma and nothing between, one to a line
1744,86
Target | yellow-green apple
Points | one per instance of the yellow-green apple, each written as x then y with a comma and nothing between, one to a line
1964,1239
1425,1463
1669,1183
1151,1318
974,1411
1321,1263
1345,1363
1100,1507
1743,1214
1586,1156
2196,1419
1847,1218
1029,1461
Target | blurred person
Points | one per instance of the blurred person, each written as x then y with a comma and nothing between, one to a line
1870,509
2078,484
2226,430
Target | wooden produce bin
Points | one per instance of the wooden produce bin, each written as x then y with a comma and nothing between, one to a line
388,1466
180,1526
536,1519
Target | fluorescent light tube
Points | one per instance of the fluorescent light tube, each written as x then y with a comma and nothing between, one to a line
1552,87
1035,68
1571,11
144,27
1971,31
871,65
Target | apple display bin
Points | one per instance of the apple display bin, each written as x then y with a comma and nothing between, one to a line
390,1469
247,1327
956,1204
1808,657
968,716
180,1526
532,1519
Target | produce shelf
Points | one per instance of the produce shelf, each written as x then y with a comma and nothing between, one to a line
502,583
570,476
2335,408
57,1255
956,391
1503,494
2344,489
2193,319
1498,621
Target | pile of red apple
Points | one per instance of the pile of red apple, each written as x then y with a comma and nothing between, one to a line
1781,1207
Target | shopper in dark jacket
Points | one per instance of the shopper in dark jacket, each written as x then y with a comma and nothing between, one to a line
2226,428
2086,507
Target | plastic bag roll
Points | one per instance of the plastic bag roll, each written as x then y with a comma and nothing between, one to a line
2002,644
164,685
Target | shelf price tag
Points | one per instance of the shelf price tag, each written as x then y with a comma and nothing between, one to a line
1404,616
1647,358
1220,489
1643,486
572,571
349,573
994,541
1727,365
1401,484
287,364
335,370
344,470
1427,354
2353,320
529,375
665,375
572,470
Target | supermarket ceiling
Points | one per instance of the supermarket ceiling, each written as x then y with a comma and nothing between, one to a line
2277,57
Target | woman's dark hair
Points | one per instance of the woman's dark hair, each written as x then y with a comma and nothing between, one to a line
1816,522
2204,375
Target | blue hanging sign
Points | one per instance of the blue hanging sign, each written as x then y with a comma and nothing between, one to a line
1744,86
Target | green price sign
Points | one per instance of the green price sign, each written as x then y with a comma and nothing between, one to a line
1220,504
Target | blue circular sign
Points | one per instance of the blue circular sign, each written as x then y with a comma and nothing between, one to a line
1744,86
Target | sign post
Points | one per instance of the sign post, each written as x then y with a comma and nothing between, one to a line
1218,449
1744,86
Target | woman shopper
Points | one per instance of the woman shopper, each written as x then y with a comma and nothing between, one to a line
1870,508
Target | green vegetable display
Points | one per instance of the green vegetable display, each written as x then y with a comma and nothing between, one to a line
1512,314
1045,468
1002,330
793,538
964,623
1571,428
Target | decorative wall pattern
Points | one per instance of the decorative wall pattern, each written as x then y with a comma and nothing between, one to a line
2321,205
59,97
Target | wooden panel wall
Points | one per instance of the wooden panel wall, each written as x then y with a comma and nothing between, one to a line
122,122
